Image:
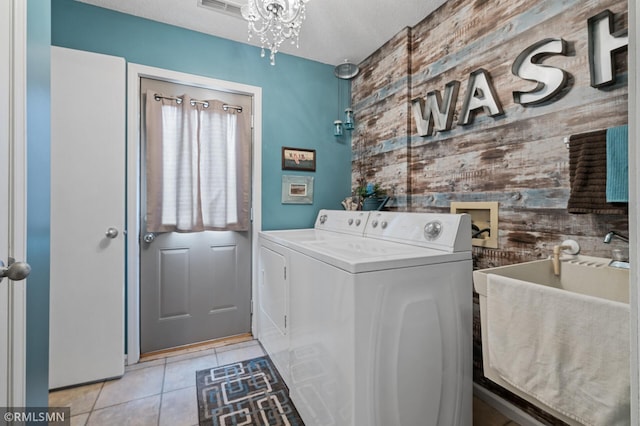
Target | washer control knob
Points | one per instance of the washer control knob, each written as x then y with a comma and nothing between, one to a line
432,230
350,222
383,225
357,222
374,223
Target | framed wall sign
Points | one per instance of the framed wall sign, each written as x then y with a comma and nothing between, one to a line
297,189
298,159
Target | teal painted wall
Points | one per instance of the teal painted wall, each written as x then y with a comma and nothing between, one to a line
38,159
299,96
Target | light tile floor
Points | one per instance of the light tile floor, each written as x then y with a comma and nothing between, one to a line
163,392
160,392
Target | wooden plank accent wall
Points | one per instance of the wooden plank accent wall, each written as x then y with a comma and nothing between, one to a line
519,158
381,140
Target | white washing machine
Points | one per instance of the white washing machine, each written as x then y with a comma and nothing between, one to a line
379,325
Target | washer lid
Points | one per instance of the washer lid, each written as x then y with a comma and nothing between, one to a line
356,255
329,224
288,236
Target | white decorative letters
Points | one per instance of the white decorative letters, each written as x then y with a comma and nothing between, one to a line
480,94
433,113
527,66
603,43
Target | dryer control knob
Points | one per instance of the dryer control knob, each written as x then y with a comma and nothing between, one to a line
357,222
432,230
350,221
383,225
374,223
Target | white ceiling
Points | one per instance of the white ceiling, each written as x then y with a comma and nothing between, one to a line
334,30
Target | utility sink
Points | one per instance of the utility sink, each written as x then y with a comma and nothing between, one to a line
594,276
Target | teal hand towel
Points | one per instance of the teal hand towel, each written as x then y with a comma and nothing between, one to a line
618,164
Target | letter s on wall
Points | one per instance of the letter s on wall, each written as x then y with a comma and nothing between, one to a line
528,67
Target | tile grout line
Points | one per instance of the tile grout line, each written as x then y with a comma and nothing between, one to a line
164,376
93,406
159,393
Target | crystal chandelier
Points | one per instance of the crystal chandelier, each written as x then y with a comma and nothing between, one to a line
274,21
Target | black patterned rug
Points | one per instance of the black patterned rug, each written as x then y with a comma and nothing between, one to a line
244,393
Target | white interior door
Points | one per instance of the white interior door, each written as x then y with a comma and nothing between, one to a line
87,217
12,199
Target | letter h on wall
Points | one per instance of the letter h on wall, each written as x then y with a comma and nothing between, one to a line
603,43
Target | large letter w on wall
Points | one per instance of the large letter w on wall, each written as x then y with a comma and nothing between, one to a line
433,113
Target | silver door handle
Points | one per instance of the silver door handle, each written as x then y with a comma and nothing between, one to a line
149,237
111,232
16,271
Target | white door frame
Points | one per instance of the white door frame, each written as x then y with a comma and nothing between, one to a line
135,72
13,82
634,210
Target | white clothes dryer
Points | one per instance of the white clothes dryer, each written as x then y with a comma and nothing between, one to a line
379,325
272,304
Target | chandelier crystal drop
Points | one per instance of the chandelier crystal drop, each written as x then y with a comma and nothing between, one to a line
274,21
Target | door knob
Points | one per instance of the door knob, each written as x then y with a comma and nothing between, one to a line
149,237
111,233
16,271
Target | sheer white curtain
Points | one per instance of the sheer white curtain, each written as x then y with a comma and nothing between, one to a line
198,165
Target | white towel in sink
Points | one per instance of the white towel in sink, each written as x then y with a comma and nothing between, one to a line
569,351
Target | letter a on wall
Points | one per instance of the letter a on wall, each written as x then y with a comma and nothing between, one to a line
480,94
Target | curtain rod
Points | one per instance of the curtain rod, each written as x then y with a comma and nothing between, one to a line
195,101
